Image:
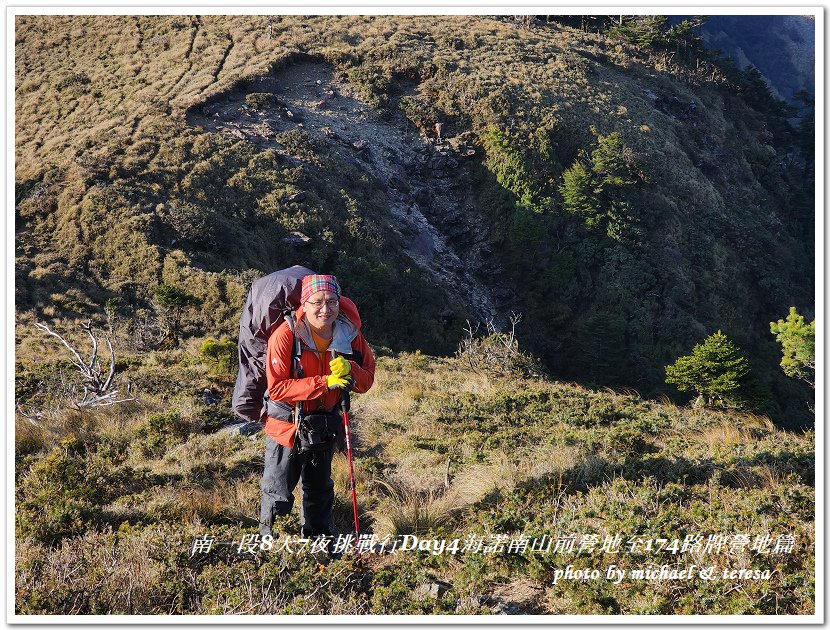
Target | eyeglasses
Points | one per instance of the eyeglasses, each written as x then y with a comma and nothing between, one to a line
319,305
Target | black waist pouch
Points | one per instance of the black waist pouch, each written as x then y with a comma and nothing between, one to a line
318,431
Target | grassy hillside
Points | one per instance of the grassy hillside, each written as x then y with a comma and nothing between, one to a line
201,152
115,499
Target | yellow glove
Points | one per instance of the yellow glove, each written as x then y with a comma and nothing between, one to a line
340,367
340,382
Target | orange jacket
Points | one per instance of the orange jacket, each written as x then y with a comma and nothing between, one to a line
312,388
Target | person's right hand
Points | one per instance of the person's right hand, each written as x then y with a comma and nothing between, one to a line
340,382
340,367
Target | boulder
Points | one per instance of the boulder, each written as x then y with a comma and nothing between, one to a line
507,608
435,590
235,426
296,239
650,95
293,115
472,603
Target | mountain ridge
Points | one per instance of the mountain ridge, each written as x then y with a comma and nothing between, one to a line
781,47
711,235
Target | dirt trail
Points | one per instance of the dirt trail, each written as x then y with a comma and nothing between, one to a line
429,197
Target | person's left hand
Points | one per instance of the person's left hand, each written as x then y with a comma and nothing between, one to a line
346,383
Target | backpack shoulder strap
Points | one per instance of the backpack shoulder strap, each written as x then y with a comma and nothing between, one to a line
296,345
296,365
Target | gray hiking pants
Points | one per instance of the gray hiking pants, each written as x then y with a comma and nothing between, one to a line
284,467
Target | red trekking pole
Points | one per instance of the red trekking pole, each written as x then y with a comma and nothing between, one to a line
344,405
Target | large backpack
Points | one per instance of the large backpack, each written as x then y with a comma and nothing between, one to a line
270,299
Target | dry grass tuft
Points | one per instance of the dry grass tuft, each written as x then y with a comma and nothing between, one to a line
755,421
422,469
29,436
728,433
475,383
505,472
208,450
406,511
194,504
475,481
394,404
760,476
200,504
44,430
725,434
666,401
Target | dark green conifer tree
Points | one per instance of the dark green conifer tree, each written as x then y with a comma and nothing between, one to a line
716,369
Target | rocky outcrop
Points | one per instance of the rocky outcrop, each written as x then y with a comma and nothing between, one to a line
429,193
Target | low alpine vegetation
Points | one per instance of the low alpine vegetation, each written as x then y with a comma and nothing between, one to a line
443,453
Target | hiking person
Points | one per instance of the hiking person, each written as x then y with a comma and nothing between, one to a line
306,371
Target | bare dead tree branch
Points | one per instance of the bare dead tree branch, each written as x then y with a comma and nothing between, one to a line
515,318
108,382
97,388
495,353
79,362
32,416
88,328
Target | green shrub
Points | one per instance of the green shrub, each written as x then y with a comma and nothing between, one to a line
509,164
612,162
642,30
160,431
35,383
172,297
76,79
594,192
62,494
261,101
375,83
193,222
301,144
422,114
222,355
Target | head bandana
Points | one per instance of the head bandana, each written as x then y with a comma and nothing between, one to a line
313,284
